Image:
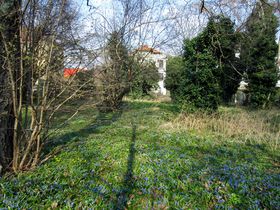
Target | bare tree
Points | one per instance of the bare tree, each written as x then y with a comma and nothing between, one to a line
132,24
34,37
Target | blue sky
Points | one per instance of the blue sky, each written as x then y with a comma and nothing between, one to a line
187,24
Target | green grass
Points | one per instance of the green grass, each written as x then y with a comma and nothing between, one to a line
131,159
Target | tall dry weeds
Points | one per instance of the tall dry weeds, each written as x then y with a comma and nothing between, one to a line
233,124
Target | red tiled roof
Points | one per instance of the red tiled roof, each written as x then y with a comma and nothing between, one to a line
68,72
146,48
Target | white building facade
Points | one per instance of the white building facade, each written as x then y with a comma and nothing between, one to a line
160,60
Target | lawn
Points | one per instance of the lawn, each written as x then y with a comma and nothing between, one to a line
151,156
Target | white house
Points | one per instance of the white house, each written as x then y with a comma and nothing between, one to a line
160,60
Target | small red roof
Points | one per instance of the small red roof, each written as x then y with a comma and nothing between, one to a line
146,48
68,72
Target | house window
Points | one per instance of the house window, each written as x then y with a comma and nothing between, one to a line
160,64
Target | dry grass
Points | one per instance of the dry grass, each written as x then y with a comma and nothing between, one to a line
232,123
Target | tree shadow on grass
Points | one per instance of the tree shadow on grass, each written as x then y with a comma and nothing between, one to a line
128,183
115,196
101,120
60,176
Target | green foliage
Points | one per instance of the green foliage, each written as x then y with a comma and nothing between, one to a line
208,74
200,84
220,30
174,70
118,55
258,52
115,82
263,88
220,38
145,77
125,160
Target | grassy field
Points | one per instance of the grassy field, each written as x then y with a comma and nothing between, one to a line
151,156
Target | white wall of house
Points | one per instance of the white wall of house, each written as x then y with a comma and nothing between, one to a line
278,84
160,61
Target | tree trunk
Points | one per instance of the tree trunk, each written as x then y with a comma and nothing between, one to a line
6,120
11,53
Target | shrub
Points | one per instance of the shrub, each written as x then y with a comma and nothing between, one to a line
174,71
258,52
114,84
207,74
262,88
200,85
145,77
221,39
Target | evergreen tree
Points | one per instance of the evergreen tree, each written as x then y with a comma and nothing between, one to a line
174,69
210,67
200,84
145,77
115,81
258,52
221,33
